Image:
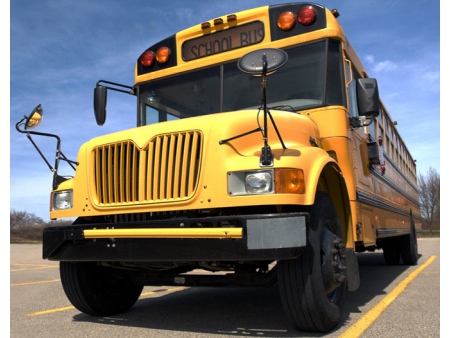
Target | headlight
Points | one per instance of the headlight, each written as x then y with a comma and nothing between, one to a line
62,200
258,182
250,182
273,181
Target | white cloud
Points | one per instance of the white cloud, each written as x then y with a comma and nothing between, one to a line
370,59
384,66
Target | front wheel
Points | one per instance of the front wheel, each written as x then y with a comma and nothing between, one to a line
98,290
313,286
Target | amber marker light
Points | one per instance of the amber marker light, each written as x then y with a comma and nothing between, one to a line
218,22
286,21
163,54
289,181
307,15
148,58
231,17
205,25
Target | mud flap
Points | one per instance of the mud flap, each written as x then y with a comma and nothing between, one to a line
352,270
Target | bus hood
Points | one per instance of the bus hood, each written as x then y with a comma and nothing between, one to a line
241,130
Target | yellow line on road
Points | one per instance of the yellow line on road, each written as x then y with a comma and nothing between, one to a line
40,282
51,311
162,290
39,313
40,267
365,321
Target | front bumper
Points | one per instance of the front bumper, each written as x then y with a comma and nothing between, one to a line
249,238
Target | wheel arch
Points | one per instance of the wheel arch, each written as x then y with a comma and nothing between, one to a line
331,181
326,175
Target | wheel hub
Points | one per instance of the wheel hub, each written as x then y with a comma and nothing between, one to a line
333,261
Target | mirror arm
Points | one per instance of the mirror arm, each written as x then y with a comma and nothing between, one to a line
59,153
266,153
40,152
32,121
130,91
32,141
70,162
240,135
371,119
276,130
254,63
19,123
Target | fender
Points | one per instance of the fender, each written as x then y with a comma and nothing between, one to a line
324,174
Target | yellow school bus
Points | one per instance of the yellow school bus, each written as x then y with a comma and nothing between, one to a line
262,154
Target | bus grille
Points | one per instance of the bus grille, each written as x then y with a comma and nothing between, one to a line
166,169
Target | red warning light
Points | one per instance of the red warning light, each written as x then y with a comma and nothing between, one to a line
307,15
148,58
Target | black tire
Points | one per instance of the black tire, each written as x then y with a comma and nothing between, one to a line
408,246
98,290
313,286
391,251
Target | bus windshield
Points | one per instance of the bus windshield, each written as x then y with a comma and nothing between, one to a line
312,77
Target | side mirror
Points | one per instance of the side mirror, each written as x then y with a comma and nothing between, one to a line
35,118
100,104
368,97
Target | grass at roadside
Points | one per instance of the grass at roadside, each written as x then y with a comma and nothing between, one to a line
428,234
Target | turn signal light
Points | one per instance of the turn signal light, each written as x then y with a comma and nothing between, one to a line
286,21
163,54
289,181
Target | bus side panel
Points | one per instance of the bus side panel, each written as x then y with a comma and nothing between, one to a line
368,227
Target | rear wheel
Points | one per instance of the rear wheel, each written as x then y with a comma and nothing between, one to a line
408,246
391,251
98,290
313,286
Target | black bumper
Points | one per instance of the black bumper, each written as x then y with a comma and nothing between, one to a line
265,237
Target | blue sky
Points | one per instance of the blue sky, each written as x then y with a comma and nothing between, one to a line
59,49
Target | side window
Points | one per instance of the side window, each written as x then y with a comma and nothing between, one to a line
351,89
334,78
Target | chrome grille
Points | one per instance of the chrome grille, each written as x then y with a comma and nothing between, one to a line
166,169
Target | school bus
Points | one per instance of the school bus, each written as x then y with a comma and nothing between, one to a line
262,154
